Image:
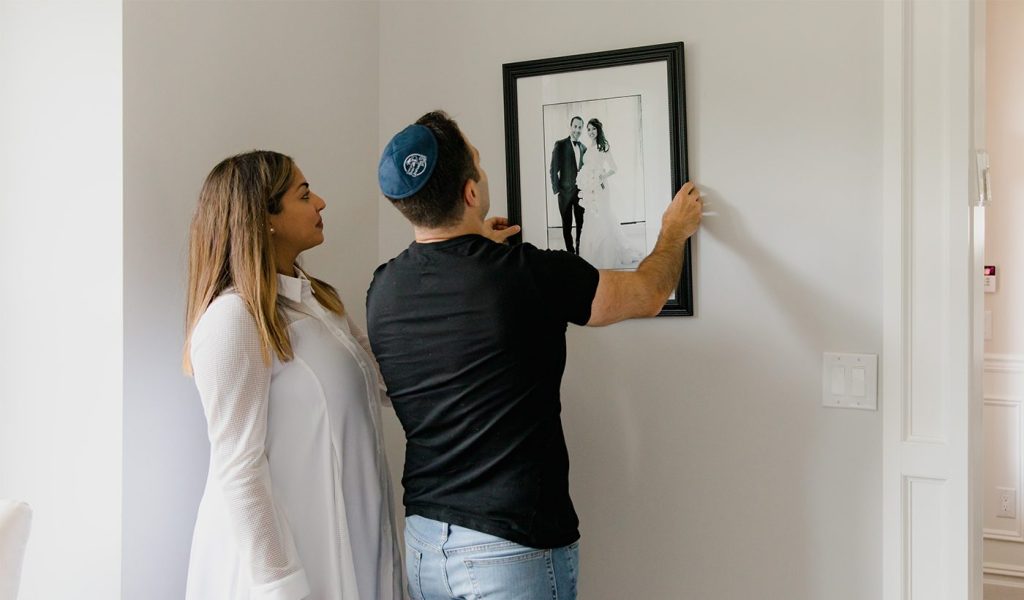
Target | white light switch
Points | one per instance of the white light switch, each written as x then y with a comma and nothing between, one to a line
857,387
838,381
850,381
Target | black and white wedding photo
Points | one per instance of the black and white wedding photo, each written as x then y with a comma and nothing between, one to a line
595,203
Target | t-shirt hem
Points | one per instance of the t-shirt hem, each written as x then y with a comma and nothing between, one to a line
483,525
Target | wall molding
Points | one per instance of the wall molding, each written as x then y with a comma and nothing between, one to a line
1016,534
1002,373
1008,365
1004,570
1003,583
1004,363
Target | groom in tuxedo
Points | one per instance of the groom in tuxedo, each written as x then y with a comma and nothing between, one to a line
566,160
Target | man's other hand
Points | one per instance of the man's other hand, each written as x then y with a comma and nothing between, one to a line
498,229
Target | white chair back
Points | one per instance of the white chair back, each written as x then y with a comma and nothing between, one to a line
15,524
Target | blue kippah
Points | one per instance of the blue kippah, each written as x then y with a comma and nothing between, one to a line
407,162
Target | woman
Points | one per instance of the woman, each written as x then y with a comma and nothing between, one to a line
604,245
298,500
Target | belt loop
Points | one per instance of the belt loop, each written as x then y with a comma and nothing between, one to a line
445,528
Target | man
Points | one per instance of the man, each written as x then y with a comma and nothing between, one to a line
470,337
566,160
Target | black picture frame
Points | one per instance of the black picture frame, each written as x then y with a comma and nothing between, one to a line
671,55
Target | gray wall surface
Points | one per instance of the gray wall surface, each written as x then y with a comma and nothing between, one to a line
703,465
204,80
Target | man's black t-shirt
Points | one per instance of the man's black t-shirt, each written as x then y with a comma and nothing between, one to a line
470,337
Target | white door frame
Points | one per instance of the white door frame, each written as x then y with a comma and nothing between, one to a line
932,302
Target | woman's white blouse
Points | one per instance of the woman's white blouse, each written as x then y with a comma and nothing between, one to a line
298,499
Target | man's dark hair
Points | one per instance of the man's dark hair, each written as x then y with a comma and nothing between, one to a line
439,202
574,118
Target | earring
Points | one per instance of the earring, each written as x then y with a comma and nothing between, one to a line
271,231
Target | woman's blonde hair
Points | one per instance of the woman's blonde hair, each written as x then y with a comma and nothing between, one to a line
230,246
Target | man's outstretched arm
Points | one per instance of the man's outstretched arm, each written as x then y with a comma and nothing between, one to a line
625,295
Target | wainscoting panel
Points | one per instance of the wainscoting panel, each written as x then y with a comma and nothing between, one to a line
1004,466
1002,420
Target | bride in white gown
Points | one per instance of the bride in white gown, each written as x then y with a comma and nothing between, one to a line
602,242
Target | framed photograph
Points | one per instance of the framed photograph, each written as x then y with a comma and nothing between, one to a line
595,148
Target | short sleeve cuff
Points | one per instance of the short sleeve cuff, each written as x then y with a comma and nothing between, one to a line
568,283
292,587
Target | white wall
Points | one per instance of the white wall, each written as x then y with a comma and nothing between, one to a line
204,80
1004,378
702,463
60,306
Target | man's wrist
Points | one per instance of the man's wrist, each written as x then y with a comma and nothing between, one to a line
673,236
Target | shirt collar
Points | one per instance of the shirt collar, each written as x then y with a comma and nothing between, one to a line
293,288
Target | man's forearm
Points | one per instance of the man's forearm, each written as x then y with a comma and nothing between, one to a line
625,295
642,293
662,267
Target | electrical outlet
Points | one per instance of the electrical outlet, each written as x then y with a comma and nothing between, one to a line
1006,503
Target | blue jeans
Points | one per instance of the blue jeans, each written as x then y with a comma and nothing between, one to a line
448,562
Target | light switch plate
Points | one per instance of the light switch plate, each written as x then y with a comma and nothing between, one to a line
849,381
